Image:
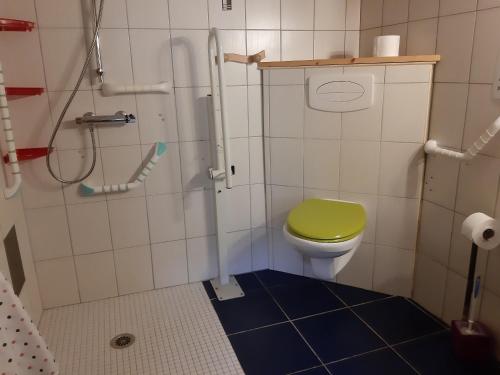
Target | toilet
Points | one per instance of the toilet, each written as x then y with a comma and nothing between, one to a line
327,231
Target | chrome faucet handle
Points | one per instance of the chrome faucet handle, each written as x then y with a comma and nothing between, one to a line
119,118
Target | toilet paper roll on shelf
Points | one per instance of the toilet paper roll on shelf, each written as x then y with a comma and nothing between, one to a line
483,230
386,45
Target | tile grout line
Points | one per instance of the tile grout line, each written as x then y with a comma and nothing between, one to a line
291,322
380,337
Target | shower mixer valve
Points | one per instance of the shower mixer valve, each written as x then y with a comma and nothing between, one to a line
119,118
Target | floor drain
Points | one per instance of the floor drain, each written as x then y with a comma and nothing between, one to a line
122,341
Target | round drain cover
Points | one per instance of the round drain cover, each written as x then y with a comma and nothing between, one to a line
122,341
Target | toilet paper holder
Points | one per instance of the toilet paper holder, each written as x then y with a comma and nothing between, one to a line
488,233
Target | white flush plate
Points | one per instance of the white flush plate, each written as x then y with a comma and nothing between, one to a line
341,92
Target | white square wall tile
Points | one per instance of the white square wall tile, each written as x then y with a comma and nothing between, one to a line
115,15
202,258
393,273
260,249
287,111
429,276
169,263
129,222
255,112
408,73
321,164
395,11
235,19
199,211
447,7
297,45
321,194
352,44
239,252
492,281
89,227
256,148
193,113
258,205
297,14
195,161
73,13
371,13
322,124
57,282
369,203
263,14
441,176
436,225
188,14
237,114
238,211
366,124
286,77
353,15
151,56
406,112
153,16
449,105
422,37
166,177
366,38
96,276
455,39
133,269
120,165
286,162
157,117
359,270
397,222
166,217
401,169
420,9
48,231
359,166
234,41
283,200
329,44
189,46
477,185
330,14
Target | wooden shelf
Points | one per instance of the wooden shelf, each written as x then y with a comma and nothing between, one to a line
350,61
7,24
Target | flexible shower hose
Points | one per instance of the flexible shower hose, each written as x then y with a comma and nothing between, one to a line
67,105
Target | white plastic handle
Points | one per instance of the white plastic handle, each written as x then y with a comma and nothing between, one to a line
111,89
159,151
10,191
431,146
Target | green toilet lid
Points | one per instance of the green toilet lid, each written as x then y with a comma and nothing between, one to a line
327,220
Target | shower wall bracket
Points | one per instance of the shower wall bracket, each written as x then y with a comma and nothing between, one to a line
431,146
87,189
112,89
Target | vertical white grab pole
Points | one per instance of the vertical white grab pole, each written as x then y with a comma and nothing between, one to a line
221,142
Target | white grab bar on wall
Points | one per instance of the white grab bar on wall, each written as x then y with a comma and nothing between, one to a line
88,189
10,191
112,89
431,146
219,105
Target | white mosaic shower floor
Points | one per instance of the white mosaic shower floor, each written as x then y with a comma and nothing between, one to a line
177,332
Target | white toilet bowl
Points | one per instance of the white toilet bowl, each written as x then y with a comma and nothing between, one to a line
327,231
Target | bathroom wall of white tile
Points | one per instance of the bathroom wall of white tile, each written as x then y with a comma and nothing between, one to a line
161,234
464,33
372,156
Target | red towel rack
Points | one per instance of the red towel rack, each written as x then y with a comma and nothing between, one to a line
23,91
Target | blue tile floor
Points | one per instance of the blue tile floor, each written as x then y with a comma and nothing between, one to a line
288,324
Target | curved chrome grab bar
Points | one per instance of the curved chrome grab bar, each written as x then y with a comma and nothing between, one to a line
9,191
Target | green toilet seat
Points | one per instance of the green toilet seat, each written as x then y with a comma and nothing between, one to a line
323,220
